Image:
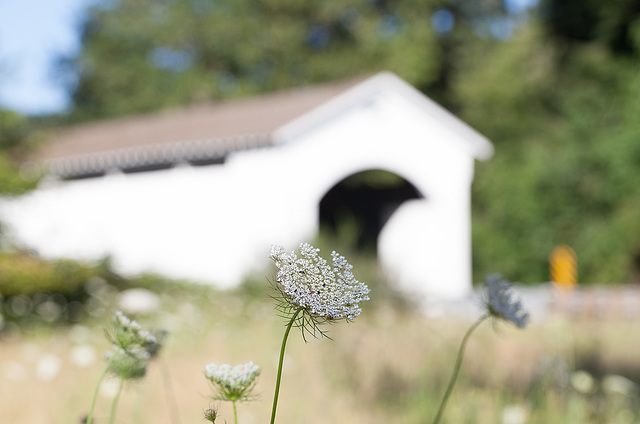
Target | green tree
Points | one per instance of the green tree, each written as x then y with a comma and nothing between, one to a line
142,55
562,111
16,134
575,22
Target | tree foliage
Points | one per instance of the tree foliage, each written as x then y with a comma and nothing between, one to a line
562,110
16,134
143,55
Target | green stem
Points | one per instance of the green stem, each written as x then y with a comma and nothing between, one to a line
279,377
114,404
95,394
235,412
456,369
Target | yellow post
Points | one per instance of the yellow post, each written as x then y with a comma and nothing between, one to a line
563,267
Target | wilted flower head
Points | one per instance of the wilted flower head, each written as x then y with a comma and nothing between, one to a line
503,302
310,284
233,383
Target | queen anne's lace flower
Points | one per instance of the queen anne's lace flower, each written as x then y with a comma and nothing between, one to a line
309,283
504,303
233,383
132,347
128,333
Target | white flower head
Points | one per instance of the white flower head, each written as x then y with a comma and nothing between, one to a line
233,383
127,333
503,302
322,291
132,347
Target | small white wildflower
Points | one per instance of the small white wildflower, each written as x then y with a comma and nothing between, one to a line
128,333
504,303
310,284
124,321
233,383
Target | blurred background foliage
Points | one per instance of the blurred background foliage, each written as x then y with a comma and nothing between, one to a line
555,84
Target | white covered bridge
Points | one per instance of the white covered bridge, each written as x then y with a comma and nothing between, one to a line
201,193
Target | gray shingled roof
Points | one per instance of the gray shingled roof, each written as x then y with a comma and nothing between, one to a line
207,133
198,134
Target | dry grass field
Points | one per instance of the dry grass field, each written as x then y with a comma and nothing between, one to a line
390,365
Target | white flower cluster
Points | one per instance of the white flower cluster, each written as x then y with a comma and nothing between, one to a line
128,331
132,348
233,383
504,303
310,283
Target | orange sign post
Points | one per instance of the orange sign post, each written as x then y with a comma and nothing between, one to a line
563,267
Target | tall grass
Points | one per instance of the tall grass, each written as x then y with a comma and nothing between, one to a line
391,365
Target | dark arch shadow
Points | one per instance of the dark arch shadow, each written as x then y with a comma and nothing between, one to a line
356,209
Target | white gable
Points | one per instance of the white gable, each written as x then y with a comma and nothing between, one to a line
375,89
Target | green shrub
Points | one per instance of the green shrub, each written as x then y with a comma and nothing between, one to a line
25,274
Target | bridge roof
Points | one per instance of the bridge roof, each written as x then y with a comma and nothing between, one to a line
203,132
206,133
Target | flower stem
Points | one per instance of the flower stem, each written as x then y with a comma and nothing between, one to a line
95,394
114,404
235,412
456,369
279,377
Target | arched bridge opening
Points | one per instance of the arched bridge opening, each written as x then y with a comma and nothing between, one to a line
356,209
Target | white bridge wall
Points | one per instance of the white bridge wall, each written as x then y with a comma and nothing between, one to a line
215,224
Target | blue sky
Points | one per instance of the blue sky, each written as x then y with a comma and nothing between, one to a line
32,34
